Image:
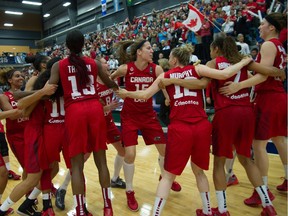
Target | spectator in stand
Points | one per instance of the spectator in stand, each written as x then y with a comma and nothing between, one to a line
155,47
165,45
261,5
226,8
217,21
113,63
240,24
228,27
205,33
254,53
244,46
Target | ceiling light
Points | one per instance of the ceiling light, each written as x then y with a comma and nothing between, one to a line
32,3
66,4
8,24
13,12
46,15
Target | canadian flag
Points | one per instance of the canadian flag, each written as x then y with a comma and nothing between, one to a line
194,20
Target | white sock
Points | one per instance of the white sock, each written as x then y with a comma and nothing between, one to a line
8,166
118,164
286,171
262,191
128,174
66,181
34,194
158,206
205,196
6,204
161,163
265,180
46,196
221,198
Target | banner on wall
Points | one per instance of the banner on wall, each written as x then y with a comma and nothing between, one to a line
104,7
116,5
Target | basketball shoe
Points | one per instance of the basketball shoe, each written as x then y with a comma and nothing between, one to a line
199,212
283,187
13,175
8,212
268,211
175,185
28,207
233,180
215,212
48,212
108,211
131,201
255,200
119,183
60,199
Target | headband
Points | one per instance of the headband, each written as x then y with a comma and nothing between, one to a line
140,44
273,22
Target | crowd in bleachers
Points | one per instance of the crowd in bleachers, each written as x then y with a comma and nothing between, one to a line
161,28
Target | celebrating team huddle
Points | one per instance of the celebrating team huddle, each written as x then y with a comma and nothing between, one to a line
41,123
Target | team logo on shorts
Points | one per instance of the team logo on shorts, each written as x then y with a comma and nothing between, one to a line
158,138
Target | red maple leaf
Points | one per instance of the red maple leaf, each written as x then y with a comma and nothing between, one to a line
193,22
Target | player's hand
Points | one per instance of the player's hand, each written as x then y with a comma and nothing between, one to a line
229,88
122,93
163,83
49,89
246,60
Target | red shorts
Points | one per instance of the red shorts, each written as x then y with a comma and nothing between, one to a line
187,140
271,115
2,163
113,133
33,140
149,126
65,153
53,140
16,143
86,127
233,126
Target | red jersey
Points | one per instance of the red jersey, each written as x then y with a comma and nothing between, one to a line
106,94
136,79
54,111
273,84
262,8
17,125
240,98
186,105
1,128
72,92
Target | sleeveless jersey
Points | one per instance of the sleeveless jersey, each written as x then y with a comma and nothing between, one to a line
1,128
72,92
186,105
240,98
106,94
17,125
136,79
54,111
273,84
